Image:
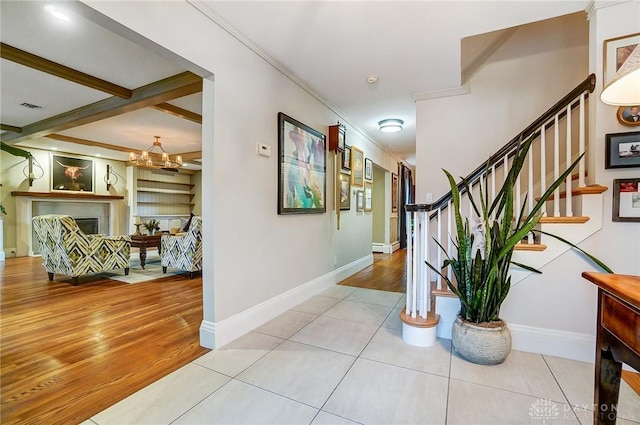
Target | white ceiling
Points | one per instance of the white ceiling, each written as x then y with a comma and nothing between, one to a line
413,47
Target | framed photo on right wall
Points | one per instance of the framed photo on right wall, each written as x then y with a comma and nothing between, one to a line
626,200
623,150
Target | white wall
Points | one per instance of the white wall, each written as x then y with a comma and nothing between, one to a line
530,72
256,255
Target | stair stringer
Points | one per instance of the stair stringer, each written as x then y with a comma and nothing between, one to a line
592,206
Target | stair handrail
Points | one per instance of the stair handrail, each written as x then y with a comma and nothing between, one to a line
587,86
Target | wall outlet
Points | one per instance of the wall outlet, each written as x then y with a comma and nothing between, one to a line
429,197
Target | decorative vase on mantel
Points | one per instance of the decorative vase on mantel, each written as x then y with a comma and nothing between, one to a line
487,343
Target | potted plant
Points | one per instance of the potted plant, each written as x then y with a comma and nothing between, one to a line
152,226
481,267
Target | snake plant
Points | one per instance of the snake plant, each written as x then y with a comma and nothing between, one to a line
483,278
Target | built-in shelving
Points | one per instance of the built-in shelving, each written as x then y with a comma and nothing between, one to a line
161,195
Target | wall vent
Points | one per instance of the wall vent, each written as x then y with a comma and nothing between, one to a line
30,105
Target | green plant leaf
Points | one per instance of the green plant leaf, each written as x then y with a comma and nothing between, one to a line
600,264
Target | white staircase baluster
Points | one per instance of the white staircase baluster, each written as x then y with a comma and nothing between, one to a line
450,239
556,167
410,307
530,192
505,167
567,182
543,164
518,191
581,148
439,220
425,280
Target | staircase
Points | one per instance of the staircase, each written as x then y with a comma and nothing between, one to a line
574,212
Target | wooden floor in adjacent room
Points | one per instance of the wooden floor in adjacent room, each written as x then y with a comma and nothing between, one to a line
387,273
68,352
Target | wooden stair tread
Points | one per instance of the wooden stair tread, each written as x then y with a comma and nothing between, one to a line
419,322
586,190
444,292
530,247
564,220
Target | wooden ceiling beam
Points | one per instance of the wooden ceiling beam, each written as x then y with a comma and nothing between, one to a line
152,94
45,65
186,157
178,112
12,128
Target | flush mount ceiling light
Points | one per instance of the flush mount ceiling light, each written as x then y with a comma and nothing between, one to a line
624,90
391,125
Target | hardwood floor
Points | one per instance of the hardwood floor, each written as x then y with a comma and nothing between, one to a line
69,352
387,273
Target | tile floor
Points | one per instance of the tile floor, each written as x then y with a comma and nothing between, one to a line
339,358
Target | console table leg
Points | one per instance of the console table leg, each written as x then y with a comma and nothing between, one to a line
607,389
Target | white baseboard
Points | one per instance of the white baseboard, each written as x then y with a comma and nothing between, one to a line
395,246
377,247
568,345
215,335
385,248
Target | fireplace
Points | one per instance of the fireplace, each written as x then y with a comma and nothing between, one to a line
89,226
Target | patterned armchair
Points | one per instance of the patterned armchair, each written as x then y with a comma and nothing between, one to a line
183,251
68,251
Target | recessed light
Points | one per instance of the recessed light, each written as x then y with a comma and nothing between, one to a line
57,13
54,149
98,155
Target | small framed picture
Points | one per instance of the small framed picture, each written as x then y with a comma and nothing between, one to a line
616,51
368,194
72,173
357,166
623,150
629,115
626,200
368,169
346,158
360,201
394,193
345,191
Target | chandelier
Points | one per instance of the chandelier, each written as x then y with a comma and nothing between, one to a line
148,159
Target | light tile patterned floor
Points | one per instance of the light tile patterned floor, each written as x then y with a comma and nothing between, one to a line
339,358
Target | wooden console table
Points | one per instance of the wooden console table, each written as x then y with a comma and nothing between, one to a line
618,339
143,242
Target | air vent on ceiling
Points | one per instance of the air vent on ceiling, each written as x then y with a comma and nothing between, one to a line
30,105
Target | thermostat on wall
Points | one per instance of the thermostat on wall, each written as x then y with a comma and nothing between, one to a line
263,149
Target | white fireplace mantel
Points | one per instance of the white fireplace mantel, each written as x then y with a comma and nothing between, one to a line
25,209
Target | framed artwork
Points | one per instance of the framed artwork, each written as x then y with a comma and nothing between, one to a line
623,150
629,115
616,51
368,193
360,200
357,166
394,193
345,191
626,200
368,169
302,171
72,173
346,158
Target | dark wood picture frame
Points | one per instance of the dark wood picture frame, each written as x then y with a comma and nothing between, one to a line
71,173
302,169
368,169
626,200
346,158
345,192
622,150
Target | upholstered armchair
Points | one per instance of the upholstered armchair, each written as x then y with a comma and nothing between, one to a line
68,251
184,250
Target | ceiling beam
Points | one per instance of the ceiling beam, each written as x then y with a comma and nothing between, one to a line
13,128
152,94
186,157
179,112
45,65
